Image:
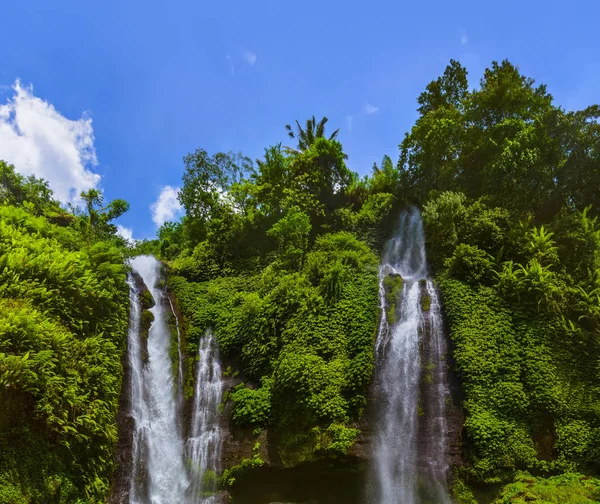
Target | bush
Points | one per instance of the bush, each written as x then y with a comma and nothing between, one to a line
471,264
252,406
567,487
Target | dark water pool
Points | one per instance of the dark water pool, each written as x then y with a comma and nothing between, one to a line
307,485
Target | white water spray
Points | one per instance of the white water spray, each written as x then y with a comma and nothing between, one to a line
165,469
410,452
203,448
159,475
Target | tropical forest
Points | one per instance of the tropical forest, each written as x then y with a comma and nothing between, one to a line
428,333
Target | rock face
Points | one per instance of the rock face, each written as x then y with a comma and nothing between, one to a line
120,490
454,413
319,482
323,480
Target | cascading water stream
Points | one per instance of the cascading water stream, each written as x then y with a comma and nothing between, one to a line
203,448
410,381
160,472
159,475
134,355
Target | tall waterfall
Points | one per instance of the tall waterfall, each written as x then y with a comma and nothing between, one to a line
159,475
410,383
203,448
165,468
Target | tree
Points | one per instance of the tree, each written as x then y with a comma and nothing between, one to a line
306,137
207,180
318,180
447,91
291,233
92,198
15,189
271,181
509,152
170,236
430,153
385,178
99,218
503,141
579,176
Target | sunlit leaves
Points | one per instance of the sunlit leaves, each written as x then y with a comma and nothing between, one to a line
63,319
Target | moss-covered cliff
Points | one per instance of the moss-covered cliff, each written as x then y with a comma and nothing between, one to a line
300,344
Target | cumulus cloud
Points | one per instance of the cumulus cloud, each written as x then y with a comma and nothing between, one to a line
250,57
38,140
166,207
126,233
463,37
370,109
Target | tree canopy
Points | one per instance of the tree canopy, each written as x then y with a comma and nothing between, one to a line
279,256
508,183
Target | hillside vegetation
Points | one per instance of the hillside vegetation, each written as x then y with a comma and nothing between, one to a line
63,326
280,262
280,258
510,188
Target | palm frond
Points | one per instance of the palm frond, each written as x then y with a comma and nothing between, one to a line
290,131
306,136
321,127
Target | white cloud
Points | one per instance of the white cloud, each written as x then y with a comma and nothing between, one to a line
166,207
126,233
463,37
370,109
240,60
40,141
349,120
250,57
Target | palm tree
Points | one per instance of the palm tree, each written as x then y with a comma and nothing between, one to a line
306,137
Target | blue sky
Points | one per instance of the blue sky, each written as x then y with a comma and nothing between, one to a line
124,89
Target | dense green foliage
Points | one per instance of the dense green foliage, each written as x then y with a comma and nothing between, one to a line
527,344
293,337
557,489
63,324
505,141
278,259
509,185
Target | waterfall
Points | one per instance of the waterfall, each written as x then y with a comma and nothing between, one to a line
203,448
165,469
410,387
158,475
134,355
